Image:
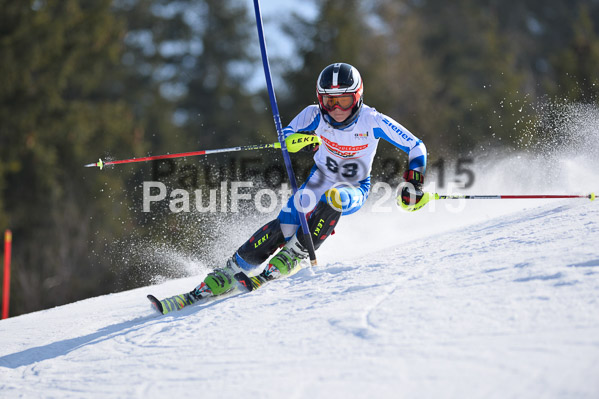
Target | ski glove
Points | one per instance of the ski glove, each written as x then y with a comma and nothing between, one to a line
412,193
310,147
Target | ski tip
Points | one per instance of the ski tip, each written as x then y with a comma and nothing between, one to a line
156,305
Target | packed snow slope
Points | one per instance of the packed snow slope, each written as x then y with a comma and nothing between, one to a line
507,307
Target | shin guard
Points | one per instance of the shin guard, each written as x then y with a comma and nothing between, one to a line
262,244
321,224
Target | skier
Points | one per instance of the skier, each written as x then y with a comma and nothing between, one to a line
337,185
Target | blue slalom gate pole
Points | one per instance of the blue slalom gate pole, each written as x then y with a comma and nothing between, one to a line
277,118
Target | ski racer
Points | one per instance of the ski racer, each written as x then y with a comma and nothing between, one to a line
337,185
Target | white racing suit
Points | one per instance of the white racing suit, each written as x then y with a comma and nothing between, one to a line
344,160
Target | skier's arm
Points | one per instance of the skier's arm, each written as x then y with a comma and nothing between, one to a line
417,157
306,121
403,139
396,134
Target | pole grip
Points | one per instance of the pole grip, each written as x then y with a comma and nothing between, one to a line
6,285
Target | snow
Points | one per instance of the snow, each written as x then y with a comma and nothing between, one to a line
506,307
478,299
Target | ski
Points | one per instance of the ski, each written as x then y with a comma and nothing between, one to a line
251,283
172,303
178,302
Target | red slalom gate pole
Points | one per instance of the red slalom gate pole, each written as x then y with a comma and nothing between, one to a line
6,286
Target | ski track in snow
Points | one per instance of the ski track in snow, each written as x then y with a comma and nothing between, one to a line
500,307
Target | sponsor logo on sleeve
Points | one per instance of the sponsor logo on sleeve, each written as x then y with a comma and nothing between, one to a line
397,130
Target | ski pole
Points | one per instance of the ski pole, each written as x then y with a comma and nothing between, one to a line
427,197
281,137
295,142
590,196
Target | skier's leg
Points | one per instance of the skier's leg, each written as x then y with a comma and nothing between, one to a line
273,235
321,224
257,249
306,199
261,245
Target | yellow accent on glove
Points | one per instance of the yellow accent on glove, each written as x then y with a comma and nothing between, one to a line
334,199
414,207
297,141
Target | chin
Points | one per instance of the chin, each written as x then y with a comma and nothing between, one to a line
339,118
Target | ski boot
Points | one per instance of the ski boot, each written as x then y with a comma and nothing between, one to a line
218,282
285,260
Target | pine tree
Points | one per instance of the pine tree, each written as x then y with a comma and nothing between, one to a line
57,57
577,77
481,81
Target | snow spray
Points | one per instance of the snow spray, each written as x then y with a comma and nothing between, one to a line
561,155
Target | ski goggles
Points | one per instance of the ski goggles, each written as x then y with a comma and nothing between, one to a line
345,101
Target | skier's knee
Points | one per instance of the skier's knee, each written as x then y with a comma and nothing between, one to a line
322,223
261,245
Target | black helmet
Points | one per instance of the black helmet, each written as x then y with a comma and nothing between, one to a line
339,86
